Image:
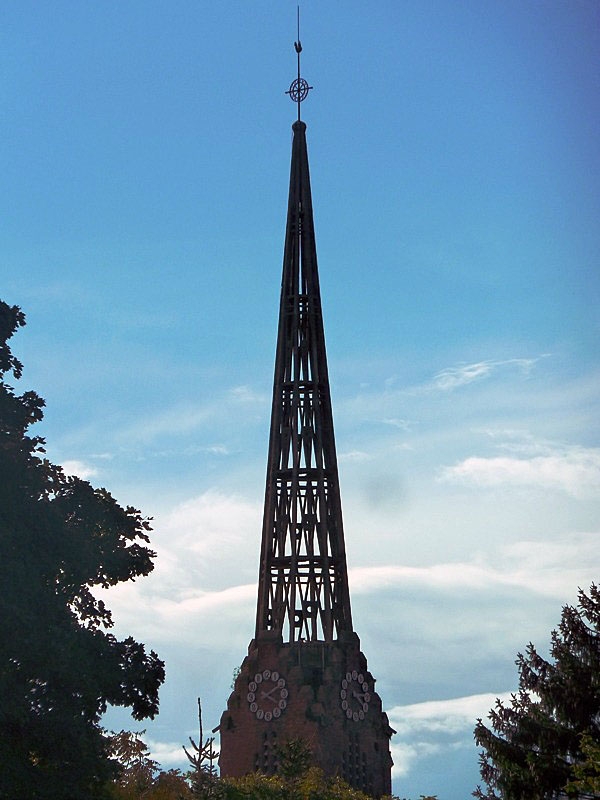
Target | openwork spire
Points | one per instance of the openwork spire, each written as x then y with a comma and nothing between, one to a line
303,584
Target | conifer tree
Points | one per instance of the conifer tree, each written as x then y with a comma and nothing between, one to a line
533,747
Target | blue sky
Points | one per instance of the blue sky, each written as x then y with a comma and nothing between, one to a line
455,166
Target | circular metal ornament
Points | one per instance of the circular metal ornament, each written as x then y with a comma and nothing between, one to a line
298,90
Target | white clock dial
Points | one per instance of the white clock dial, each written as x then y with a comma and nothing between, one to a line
355,695
267,695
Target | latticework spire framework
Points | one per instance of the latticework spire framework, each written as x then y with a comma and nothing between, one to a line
303,583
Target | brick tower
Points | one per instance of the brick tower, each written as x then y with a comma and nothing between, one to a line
305,675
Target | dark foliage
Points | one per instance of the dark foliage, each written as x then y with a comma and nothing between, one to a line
295,758
59,667
533,747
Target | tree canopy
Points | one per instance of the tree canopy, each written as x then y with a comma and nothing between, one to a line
59,665
545,744
141,777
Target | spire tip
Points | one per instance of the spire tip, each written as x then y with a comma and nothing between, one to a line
299,88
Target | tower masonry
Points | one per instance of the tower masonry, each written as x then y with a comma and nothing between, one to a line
305,675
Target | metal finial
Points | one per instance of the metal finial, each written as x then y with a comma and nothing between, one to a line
299,88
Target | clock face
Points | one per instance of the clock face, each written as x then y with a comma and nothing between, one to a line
355,696
267,695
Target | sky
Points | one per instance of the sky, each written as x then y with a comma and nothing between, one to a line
455,166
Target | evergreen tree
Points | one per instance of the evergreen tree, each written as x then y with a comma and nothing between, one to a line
586,775
59,667
534,745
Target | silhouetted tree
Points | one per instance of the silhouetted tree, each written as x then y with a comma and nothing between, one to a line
534,745
59,667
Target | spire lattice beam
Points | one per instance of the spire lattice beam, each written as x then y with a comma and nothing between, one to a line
303,586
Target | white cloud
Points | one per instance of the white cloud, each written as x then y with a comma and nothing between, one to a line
198,599
453,377
403,424
550,569
444,716
205,571
217,450
424,729
405,754
246,394
423,408
211,524
176,599
354,455
213,618
463,374
79,468
168,754
575,470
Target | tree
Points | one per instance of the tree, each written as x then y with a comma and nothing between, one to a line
311,785
294,757
296,779
59,666
552,724
586,775
140,777
137,768
203,775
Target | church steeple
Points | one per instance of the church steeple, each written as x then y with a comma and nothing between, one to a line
305,676
303,582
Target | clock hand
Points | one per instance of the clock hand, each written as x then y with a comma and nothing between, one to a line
358,696
268,694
